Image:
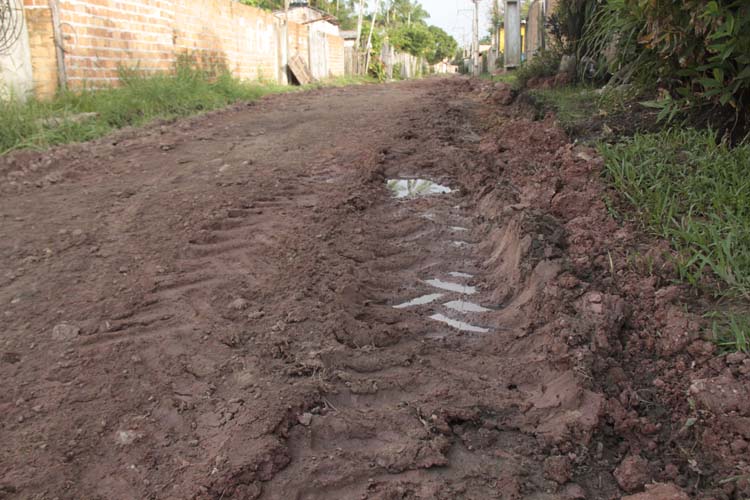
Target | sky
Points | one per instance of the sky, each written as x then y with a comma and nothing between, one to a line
455,17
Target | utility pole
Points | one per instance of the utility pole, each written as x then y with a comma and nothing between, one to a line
475,41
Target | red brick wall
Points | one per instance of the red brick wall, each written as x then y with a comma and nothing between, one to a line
102,35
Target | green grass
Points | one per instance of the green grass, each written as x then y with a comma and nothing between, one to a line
573,106
732,331
140,99
696,194
508,77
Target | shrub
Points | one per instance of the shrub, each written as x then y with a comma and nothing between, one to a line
697,52
545,63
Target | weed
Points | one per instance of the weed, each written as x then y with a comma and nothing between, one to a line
573,106
140,98
731,331
694,192
546,63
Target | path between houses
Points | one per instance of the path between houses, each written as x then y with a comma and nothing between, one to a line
205,309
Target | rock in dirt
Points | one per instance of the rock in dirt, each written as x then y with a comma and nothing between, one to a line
305,419
64,331
558,469
679,330
239,304
126,438
659,492
573,492
722,394
632,473
735,358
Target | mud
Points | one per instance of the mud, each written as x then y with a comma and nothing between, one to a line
205,310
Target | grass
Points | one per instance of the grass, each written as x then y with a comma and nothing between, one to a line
696,194
573,106
140,99
732,331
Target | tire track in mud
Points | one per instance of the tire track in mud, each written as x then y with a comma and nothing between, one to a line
412,406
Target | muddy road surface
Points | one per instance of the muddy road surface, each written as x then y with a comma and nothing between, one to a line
271,302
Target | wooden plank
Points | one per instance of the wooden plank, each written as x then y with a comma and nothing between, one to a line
300,70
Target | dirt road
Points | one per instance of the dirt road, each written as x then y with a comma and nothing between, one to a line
220,308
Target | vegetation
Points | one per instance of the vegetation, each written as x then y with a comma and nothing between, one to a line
86,115
545,64
694,192
696,53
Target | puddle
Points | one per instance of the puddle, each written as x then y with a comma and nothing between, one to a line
420,301
458,229
404,188
461,275
459,325
452,287
466,307
460,244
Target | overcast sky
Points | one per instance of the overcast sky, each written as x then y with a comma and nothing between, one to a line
455,16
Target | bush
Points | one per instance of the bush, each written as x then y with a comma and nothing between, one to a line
545,63
697,52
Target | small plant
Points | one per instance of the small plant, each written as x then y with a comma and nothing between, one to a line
731,332
545,63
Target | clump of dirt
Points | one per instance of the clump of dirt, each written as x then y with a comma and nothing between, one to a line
672,401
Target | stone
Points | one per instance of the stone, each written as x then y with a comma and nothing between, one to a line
574,491
126,438
64,331
738,446
239,304
558,469
632,473
305,419
735,358
659,491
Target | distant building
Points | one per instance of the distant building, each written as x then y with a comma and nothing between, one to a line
319,20
350,38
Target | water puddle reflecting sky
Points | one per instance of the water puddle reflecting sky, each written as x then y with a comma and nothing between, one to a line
461,275
420,301
458,325
405,188
452,287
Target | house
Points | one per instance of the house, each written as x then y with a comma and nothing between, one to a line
320,20
314,39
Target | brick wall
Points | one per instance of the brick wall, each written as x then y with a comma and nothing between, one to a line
102,35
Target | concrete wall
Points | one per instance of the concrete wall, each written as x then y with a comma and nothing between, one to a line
16,78
99,36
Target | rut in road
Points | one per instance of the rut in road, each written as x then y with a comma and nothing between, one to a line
233,283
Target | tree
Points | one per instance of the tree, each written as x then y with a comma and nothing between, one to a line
415,39
443,45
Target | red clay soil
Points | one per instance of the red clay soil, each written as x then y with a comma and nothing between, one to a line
204,310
